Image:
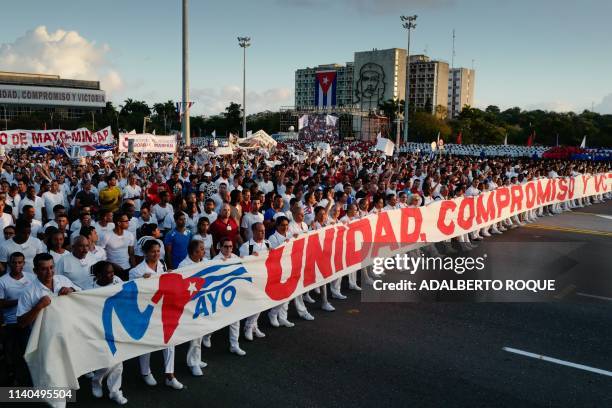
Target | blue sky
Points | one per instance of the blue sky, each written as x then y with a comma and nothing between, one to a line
534,54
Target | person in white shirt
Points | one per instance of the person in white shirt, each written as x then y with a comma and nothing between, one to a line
119,244
5,219
225,254
32,199
22,242
55,244
104,225
96,251
250,218
195,254
12,285
36,226
152,266
103,274
266,185
206,238
209,211
320,222
160,211
52,198
37,295
147,232
76,265
278,314
256,246
133,191
298,227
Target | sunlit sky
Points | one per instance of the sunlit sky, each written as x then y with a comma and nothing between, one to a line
553,55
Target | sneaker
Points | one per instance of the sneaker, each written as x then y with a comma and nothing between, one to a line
258,333
118,398
237,350
196,371
203,364
149,380
285,323
96,389
273,320
306,316
307,298
354,287
486,234
248,334
206,342
174,383
338,295
328,307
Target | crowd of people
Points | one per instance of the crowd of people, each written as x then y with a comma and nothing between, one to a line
69,227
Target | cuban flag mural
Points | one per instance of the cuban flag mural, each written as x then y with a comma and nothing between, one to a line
325,88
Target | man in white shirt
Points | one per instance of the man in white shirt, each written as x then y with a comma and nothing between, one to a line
22,242
161,210
119,243
37,295
298,227
250,218
52,198
266,185
76,266
278,314
256,246
133,191
35,201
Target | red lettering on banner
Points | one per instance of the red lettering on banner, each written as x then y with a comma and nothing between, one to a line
517,198
544,196
445,207
339,248
354,256
276,289
585,180
407,215
3,138
15,139
561,196
599,184
484,214
47,138
384,236
530,193
463,221
318,256
502,199
571,187
23,140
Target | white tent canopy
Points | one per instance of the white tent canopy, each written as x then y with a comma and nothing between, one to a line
259,139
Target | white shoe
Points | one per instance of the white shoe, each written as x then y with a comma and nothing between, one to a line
196,371
306,316
338,295
174,383
495,231
285,323
273,320
328,307
354,287
486,234
203,364
307,298
149,380
248,334
237,350
96,389
476,238
118,398
258,333
206,342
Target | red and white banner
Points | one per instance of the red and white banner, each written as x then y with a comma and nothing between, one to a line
85,331
148,143
22,139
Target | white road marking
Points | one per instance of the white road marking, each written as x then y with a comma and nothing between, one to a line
608,217
594,296
557,361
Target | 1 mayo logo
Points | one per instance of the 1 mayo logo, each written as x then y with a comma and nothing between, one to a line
208,287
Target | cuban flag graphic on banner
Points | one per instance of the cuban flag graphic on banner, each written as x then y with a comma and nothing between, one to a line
325,88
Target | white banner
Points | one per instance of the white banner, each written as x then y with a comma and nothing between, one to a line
19,138
82,332
46,95
385,145
147,143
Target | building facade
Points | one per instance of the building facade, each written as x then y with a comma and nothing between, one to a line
429,84
380,75
24,94
306,85
461,83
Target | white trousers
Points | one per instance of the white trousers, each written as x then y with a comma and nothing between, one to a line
194,354
251,322
145,362
234,334
113,377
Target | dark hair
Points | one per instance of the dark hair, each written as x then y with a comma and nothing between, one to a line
42,257
146,230
148,244
281,219
15,255
117,216
98,268
58,207
21,224
193,245
86,230
178,214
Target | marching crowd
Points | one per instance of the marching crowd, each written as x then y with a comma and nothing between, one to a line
69,226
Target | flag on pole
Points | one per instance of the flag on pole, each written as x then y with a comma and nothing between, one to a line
385,145
302,122
583,144
459,138
531,138
325,88
331,120
180,107
506,140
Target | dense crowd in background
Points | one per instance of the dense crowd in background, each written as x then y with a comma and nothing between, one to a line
78,225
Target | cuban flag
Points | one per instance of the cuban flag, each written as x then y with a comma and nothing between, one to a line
325,88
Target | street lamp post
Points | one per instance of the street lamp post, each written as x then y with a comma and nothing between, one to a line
185,102
244,42
409,24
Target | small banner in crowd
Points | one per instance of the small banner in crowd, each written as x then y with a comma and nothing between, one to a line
385,145
98,328
22,139
147,143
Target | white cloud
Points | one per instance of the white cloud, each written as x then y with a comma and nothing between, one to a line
555,106
63,53
212,101
605,106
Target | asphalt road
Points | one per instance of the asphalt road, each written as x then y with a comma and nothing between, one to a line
425,354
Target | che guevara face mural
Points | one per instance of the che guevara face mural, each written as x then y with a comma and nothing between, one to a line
370,86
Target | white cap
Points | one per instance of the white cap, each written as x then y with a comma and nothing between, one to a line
207,174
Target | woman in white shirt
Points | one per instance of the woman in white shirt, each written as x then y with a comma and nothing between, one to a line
151,266
203,236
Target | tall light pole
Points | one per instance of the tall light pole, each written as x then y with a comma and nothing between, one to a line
408,24
244,42
185,102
